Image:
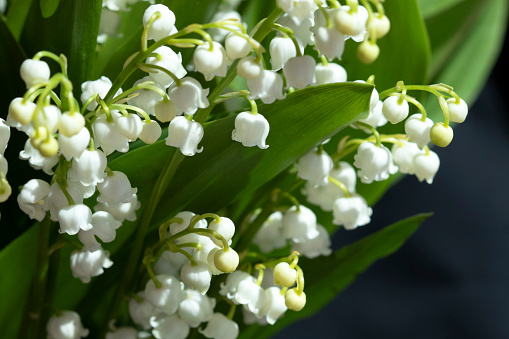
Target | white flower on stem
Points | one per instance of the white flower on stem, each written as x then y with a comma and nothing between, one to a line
267,87
315,166
315,247
185,135
141,310
104,226
86,264
299,71
274,306
88,168
299,224
122,333
56,199
186,216
99,87
72,147
329,74
163,25
49,117
404,153
166,298
196,308
418,131
106,135
351,212
70,124
457,111
269,237
210,63
66,325
129,125
72,218
225,227
281,50
169,60
5,135
169,326
426,166
236,47
284,275
196,276
34,72
221,327
219,34
251,130
115,188
394,111
375,118
329,41
121,211
352,24
241,288
36,160
21,112
163,266
374,162
31,199
150,132
249,68
188,96
146,98
298,9
300,28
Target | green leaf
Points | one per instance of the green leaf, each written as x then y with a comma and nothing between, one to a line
326,277
16,16
48,7
430,8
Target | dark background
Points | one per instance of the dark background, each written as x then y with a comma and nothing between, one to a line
451,279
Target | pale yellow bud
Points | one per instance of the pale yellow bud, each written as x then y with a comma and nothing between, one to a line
226,260
441,135
49,147
368,52
295,301
284,275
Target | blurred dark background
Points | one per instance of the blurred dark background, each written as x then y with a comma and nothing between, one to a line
451,279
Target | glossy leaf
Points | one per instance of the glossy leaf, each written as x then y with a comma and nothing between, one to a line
327,277
48,7
17,15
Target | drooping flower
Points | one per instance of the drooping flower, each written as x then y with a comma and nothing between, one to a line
351,212
161,27
251,130
66,325
31,198
86,264
185,135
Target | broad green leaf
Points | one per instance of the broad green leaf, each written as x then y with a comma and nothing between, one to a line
16,16
430,8
326,277
48,7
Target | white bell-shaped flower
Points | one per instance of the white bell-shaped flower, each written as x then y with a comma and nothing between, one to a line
72,218
115,188
129,126
404,153
56,199
122,333
267,87
186,216
418,131
394,111
274,306
210,63
162,26
146,98
36,160
196,276
374,162
299,224
189,96
100,86
241,288
352,24
31,199
426,166
251,130
196,308
141,310
329,41
299,71
301,29
186,135
169,326
121,211
70,124
34,72
269,237
225,227
236,47
312,248
249,68
104,226
5,135
22,112
281,50
88,168
106,135
163,266
169,60
315,167
351,212
49,117
221,327
298,9
66,325
166,298
72,147
375,118
329,74
86,264
457,111
151,132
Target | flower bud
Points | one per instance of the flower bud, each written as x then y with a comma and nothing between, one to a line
38,135
381,25
249,68
21,111
394,111
48,147
34,72
225,227
457,111
166,111
151,132
162,26
294,300
236,46
5,190
226,260
70,124
348,23
441,135
367,52
129,126
165,57
418,131
284,275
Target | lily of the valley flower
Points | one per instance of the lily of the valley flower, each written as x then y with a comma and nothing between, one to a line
251,130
